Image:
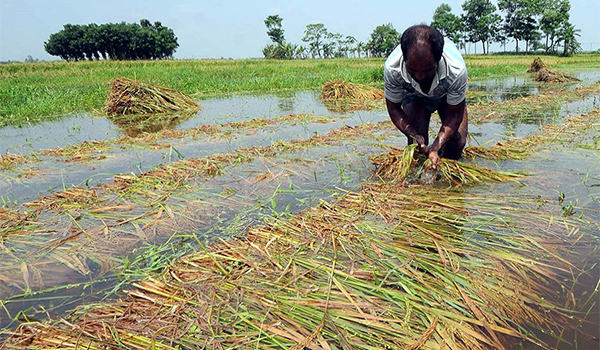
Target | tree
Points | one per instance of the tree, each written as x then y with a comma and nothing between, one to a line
384,40
568,36
119,41
554,18
480,21
360,48
274,30
348,45
520,22
446,22
314,35
284,51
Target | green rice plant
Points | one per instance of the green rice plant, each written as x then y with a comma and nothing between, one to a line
396,165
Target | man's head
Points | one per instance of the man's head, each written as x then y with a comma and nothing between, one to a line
422,48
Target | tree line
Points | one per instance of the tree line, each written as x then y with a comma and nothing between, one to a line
540,24
321,43
119,41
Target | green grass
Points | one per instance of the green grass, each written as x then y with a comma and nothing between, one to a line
34,92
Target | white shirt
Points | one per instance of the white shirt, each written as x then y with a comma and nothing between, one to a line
450,79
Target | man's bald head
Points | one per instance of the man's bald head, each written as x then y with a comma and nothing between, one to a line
422,41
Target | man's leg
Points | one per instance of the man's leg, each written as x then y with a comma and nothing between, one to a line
418,116
453,147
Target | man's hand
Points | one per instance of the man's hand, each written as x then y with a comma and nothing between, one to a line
420,140
435,160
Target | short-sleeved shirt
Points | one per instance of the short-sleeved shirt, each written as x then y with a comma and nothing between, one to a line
450,80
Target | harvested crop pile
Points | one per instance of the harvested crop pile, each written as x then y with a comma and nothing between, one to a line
342,95
339,89
536,65
130,97
550,76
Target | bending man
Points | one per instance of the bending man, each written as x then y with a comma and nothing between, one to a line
426,73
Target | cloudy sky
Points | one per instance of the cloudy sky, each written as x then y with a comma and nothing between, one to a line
232,28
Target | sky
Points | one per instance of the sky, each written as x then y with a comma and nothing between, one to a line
233,28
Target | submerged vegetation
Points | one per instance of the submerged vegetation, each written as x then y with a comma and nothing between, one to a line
397,266
384,267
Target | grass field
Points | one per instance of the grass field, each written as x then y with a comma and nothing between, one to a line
33,92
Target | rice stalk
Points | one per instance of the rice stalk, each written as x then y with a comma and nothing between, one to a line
549,76
8,161
64,199
396,165
536,65
85,151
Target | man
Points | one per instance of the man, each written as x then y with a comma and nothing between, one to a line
423,74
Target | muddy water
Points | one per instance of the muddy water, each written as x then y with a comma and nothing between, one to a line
217,208
567,182
58,175
82,127
227,204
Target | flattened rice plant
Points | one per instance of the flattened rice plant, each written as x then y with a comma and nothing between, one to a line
386,267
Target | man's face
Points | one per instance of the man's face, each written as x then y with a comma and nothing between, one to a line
422,68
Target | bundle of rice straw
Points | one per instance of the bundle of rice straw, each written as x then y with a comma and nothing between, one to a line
536,65
130,97
343,90
340,95
550,76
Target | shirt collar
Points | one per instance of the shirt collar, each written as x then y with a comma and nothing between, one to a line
441,73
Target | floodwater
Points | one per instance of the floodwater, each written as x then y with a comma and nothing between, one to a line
59,175
227,204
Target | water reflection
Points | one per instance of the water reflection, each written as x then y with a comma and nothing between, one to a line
502,89
286,102
135,125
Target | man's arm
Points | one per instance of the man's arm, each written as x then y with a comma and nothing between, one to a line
401,122
453,116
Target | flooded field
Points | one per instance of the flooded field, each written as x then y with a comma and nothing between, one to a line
96,206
